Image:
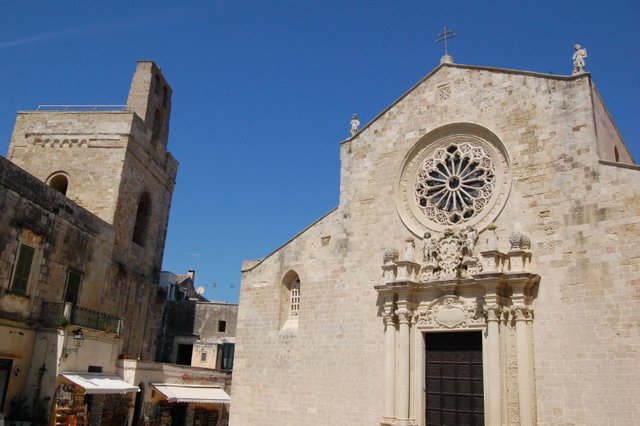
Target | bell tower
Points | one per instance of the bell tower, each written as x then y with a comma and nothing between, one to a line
112,161
150,99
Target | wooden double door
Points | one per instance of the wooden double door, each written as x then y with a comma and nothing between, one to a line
454,380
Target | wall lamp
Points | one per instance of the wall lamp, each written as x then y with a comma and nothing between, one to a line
78,340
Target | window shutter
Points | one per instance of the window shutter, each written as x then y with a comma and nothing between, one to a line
23,269
227,356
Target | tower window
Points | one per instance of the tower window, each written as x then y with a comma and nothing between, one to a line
157,125
157,85
615,153
142,219
222,326
60,183
165,96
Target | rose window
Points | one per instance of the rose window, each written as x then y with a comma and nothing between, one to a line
455,183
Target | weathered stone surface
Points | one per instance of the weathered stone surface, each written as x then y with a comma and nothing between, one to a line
109,159
566,193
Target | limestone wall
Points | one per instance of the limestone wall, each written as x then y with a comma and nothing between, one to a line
610,144
73,238
45,143
583,227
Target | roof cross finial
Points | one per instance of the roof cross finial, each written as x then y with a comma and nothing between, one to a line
446,34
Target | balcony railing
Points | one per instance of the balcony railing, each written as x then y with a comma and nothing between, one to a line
81,108
62,314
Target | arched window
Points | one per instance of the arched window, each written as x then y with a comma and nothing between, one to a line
291,284
59,182
290,300
294,294
157,125
142,219
615,153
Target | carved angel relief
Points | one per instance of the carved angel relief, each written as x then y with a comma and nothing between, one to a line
450,312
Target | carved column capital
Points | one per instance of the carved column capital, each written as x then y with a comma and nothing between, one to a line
388,319
492,312
404,316
521,313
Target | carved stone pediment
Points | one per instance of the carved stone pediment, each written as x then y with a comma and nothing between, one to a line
449,312
455,256
450,257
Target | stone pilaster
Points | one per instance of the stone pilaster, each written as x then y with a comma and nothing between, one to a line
403,379
389,367
493,370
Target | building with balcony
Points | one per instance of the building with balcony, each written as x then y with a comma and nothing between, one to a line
85,195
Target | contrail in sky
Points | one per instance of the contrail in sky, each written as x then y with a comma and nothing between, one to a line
85,30
44,37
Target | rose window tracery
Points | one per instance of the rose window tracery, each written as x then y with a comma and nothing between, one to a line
455,183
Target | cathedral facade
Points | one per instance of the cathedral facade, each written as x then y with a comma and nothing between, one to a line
481,268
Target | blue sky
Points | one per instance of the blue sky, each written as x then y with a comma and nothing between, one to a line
263,91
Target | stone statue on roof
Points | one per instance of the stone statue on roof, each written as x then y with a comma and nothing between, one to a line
578,59
355,124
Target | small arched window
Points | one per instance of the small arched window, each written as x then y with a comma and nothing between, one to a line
294,306
142,219
59,182
290,300
291,284
615,153
157,125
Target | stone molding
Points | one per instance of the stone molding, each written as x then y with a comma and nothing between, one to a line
496,298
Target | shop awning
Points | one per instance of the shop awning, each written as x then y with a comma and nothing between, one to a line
100,383
192,393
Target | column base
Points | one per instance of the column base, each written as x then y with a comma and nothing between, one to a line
404,422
